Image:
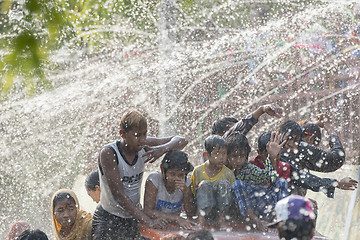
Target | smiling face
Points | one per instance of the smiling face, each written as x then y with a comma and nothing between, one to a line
218,156
135,138
237,159
65,213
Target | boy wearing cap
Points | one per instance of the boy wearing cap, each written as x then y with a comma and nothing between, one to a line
167,191
295,218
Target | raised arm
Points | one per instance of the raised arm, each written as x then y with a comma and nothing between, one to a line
270,109
320,160
156,147
246,124
112,176
304,179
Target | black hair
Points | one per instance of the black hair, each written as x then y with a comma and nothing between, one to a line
237,141
200,235
221,126
214,141
296,228
292,127
313,129
263,140
175,159
92,180
62,196
33,235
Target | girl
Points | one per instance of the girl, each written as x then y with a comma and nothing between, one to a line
69,222
166,191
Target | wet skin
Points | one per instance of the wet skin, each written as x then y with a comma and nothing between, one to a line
237,159
218,157
94,194
65,213
175,179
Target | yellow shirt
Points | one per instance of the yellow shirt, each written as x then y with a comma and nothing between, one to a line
199,174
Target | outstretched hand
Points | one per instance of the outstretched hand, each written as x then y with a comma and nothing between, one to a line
347,184
153,153
273,110
275,145
323,119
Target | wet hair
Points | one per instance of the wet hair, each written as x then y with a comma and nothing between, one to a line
17,228
212,142
200,235
237,141
263,140
175,159
33,235
62,196
296,228
92,180
293,127
132,120
221,126
313,129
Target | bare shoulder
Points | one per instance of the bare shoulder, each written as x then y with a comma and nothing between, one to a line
107,153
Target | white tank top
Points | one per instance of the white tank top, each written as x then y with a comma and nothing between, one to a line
166,202
131,176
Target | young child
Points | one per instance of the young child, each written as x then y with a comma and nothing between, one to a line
32,235
16,229
282,168
295,218
121,166
256,190
211,183
167,191
92,185
68,221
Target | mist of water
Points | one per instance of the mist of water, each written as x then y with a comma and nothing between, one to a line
185,77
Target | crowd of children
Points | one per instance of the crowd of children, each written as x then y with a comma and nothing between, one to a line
226,190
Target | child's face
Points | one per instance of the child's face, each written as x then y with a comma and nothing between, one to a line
263,155
218,157
292,143
65,213
135,138
94,194
237,159
175,177
311,140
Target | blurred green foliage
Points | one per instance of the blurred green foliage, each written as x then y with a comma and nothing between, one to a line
31,30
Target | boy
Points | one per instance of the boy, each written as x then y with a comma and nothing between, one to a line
295,218
282,168
301,179
256,190
121,166
319,159
211,183
167,191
